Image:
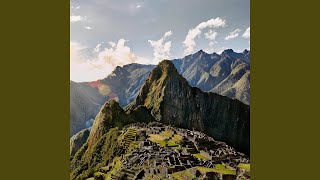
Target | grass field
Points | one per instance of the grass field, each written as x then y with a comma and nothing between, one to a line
158,139
176,138
181,174
167,133
199,156
220,171
244,166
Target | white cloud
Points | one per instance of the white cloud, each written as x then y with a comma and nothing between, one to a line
211,49
190,43
75,7
88,27
138,6
211,35
161,49
76,19
102,64
97,48
246,34
232,34
112,44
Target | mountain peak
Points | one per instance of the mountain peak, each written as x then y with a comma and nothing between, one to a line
171,100
200,51
110,114
227,51
166,65
163,69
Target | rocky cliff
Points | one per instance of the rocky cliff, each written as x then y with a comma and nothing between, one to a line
171,100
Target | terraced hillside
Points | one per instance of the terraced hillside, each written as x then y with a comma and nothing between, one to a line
158,151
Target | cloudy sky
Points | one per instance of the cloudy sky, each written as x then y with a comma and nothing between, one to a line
109,33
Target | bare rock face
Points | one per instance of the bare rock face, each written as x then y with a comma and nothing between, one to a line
171,100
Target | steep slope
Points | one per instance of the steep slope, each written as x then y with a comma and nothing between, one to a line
171,100
195,69
236,84
241,89
102,144
110,115
125,82
209,72
78,140
87,98
165,97
244,56
85,102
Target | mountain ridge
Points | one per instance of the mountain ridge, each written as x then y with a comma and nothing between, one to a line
209,72
165,97
172,100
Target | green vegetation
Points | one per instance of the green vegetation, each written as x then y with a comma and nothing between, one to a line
244,166
220,171
87,161
103,160
116,168
181,175
177,176
176,138
219,166
177,147
167,133
166,139
158,139
200,156
171,144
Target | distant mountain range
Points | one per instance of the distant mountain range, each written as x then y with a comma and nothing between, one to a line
227,74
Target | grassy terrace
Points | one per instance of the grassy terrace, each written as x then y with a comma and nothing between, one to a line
182,175
199,156
176,138
186,174
244,166
167,133
167,139
158,139
219,170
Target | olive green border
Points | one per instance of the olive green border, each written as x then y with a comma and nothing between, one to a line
35,90
284,90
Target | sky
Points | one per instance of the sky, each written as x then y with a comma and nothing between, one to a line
109,33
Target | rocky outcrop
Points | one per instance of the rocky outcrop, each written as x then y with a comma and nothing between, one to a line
171,100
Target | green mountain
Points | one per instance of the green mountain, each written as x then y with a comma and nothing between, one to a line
226,74
113,143
171,100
